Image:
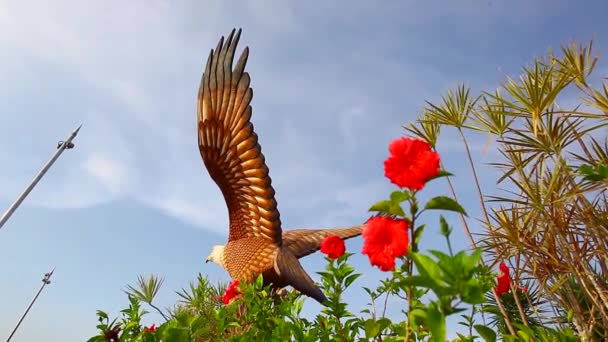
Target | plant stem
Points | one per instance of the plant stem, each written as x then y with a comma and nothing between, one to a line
159,311
385,302
463,219
447,239
475,177
487,221
410,263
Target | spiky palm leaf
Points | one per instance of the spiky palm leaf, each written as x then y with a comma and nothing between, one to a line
146,290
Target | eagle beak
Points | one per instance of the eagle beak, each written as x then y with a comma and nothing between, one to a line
207,261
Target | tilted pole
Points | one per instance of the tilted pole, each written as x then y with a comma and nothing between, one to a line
63,145
45,281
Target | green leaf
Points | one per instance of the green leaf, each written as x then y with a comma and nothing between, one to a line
523,336
594,173
473,292
436,322
372,328
382,206
418,233
486,333
445,228
384,323
586,170
400,196
418,316
176,335
259,282
102,314
349,279
418,281
388,207
199,323
444,203
325,274
524,329
441,174
444,261
470,262
427,268
491,309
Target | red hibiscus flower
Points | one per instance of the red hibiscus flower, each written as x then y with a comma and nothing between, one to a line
231,292
150,329
384,239
333,246
411,163
504,280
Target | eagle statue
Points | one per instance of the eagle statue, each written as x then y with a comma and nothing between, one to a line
233,157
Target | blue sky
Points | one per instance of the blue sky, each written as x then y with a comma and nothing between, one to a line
333,83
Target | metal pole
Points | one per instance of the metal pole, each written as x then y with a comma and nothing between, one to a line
45,281
63,145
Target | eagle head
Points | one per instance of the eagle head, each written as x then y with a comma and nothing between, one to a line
217,255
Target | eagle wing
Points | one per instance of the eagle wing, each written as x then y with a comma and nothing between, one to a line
229,146
302,242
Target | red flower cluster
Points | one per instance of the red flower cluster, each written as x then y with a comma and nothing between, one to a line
411,163
333,246
150,329
231,292
504,280
384,239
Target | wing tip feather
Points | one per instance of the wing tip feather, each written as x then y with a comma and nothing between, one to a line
224,104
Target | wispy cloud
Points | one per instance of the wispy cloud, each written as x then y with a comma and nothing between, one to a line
111,174
131,145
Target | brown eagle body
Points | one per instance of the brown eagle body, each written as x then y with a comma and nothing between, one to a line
230,150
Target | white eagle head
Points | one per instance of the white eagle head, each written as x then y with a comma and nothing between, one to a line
217,255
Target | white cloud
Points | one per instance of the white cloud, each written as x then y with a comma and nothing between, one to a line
212,215
110,173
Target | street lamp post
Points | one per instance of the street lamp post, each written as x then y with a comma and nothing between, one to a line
63,145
